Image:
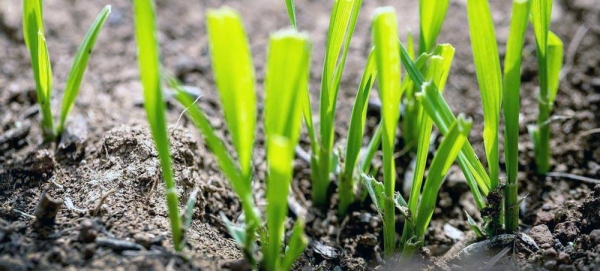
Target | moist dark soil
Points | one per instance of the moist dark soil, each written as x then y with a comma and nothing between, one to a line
95,200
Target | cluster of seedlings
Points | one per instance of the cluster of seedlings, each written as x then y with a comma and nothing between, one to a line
287,105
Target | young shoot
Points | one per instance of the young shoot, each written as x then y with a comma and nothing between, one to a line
33,33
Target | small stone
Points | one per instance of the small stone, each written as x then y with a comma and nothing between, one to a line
564,258
566,231
89,251
595,237
550,253
541,234
143,239
87,231
550,264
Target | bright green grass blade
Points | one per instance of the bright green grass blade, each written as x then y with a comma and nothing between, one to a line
279,156
341,29
442,160
33,33
296,245
45,78
376,192
355,135
438,71
512,87
489,76
288,64
291,9
234,76
79,65
145,32
385,39
555,64
287,78
439,111
432,13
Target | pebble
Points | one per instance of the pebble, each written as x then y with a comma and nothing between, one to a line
595,237
541,234
564,258
87,231
551,253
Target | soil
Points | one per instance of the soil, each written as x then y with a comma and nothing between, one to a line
98,198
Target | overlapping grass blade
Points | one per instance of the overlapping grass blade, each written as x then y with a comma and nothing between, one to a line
439,111
296,245
385,39
33,33
286,79
489,76
79,65
437,73
555,64
145,31
234,76
432,14
355,135
445,155
512,87
341,29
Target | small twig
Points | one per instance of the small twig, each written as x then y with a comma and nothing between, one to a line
496,258
102,199
572,50
183,112
587,133
573,177
302,154
19,212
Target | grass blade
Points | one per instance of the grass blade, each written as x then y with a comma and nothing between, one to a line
443,159
432,13
555,64
296,245
288,64
234,76
489,76
385,39
145,32
79,65
33,33
355,135
291,9
512,87
341,29
439,111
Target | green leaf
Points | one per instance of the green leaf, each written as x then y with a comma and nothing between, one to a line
79,65
148,60
376,192
33,33
234,76
385,39
489,76
432,13
296,245
555,64
355,134
287,78
291,9
439,111
478,232
512,87
341,29
442,160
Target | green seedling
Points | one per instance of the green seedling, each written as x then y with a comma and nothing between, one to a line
149,65
550,56
33,32
286,80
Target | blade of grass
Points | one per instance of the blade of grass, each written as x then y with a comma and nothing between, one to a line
145,32
541,11
555,63
341,29
385,39
355,135
234,76
291,9
439,111
432,14
442,160
33,33
287,77
296,245
512,87
489,76
79,65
